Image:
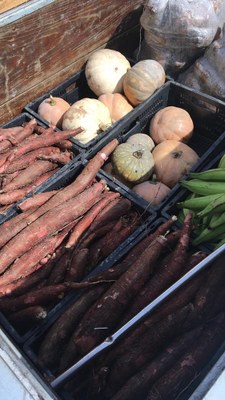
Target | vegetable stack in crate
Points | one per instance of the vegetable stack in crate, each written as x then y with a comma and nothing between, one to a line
30,155
102,98
175,132
107,343
203,194
59,236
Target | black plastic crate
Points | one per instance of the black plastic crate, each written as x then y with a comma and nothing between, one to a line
71,90
33,343
19,121
75,88
208,139
59,181
193,390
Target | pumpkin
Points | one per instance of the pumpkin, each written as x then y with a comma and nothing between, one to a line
173,160
133,162
52,110
89,114
104,71
153,192
142,139
142,80
171,123
117,104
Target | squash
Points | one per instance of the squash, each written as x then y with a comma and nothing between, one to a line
142,139
171,123
52,110
108,168
117,104
133,162
173,160
142,80
89,114
104,71
153,192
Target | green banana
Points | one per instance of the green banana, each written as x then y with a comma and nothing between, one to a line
198,203
202,187
216,220
214,174
216,206
222,162
181,215
209,235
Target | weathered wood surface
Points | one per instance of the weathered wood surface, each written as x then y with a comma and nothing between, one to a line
44,48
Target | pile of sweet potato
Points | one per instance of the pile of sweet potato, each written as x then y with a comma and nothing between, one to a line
57,239
162,354
29,155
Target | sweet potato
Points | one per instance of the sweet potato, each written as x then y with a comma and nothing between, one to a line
58,273
15,135
214,282
42,141
88,219
152,341
107,244
5,179
83,180
107,312
77,266
115,209
25,319
138,385
13,196
166,274
23,162
62,158
183,297
48,224
52,346
35,201
11,227
188,367
29,261
44,296
39,277
29,175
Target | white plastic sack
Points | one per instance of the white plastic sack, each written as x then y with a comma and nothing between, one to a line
176,32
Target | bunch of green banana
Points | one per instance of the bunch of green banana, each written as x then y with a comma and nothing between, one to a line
207,202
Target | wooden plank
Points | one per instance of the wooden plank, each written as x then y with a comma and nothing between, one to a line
47,44
6,5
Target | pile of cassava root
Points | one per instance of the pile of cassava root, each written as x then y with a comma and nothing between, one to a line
146,271
57,239
161,356
166,353
29,155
